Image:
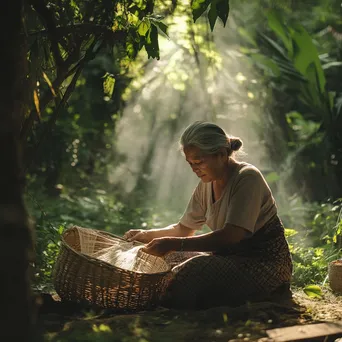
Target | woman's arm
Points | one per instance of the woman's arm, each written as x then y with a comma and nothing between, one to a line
208,242
173,230
215,240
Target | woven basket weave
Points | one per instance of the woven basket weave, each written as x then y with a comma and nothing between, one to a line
335,275
80,277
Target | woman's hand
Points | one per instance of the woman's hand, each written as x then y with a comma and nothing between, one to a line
138,235
162,246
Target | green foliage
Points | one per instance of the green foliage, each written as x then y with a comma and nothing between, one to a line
313,291
316,243
222,10
69,176
304,106
301,55
89,207
108,84
310,264
313,244
64,37
218,9
199,7
151,44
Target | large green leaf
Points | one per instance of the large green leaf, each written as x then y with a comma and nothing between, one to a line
218,9
313,87
287,68
305,53
268,65
162,28
198,7
151,44
313,291
274,46
222,8
300,49
276,23
144,26
212,16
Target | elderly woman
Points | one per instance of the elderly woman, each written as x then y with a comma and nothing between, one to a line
246,255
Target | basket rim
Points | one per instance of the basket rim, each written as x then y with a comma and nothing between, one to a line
101,262
334,263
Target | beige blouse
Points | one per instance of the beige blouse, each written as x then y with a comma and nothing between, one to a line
246,202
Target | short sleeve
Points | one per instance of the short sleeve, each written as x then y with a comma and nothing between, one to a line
194,215
246,200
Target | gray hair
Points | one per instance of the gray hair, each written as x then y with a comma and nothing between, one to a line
209,138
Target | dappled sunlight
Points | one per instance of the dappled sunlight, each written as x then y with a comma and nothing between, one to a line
200,77
112,87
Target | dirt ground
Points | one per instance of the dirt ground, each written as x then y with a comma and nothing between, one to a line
64,322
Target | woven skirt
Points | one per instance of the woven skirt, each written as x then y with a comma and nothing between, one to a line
252,269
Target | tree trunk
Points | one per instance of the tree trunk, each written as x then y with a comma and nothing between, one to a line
16,315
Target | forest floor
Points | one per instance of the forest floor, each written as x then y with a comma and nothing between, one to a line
63,322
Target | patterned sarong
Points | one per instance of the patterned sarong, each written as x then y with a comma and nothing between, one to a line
253,268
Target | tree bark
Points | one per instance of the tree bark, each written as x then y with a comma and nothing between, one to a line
16,315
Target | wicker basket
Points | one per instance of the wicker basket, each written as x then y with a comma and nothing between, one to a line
81,278
335,275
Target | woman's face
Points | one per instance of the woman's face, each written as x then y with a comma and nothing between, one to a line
208,167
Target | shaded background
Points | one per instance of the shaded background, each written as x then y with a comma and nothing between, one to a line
271,76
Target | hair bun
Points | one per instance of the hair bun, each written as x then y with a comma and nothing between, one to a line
235,143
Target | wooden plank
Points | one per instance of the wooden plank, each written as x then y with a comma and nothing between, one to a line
301,332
